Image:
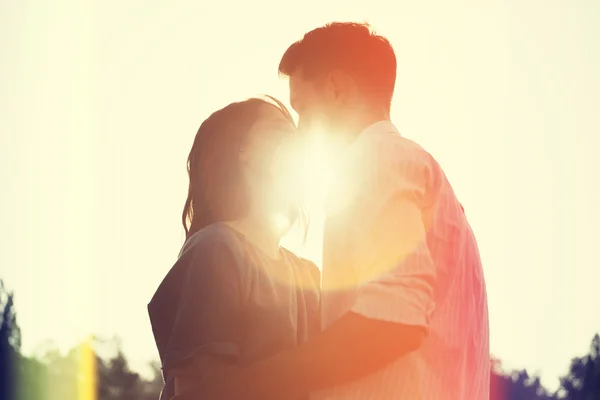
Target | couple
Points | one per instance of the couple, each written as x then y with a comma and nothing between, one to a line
400,311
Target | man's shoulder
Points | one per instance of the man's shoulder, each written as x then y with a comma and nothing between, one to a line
400,149
386,147
401,164
396,156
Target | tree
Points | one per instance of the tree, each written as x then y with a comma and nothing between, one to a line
153,387
59,376
515,385
583,380
55,375
116,381
33,381
10,343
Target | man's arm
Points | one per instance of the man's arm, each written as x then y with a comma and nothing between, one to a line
353,347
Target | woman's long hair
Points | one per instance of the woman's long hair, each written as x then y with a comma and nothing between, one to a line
217,189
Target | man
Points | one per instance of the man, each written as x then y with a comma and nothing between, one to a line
404,306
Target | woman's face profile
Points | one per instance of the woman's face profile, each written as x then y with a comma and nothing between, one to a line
262,155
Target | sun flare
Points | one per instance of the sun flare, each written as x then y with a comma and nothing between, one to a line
317,167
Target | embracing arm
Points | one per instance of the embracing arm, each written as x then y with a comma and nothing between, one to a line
353,347
389,319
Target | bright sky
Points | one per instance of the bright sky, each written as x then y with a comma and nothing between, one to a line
99,104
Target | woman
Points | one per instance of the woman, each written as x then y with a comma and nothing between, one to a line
235,296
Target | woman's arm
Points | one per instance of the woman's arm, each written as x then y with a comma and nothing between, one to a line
200,369
197,313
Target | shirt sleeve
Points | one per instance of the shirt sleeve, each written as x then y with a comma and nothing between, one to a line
314,308
208,316
398,274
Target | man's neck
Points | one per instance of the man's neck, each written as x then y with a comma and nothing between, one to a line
362,121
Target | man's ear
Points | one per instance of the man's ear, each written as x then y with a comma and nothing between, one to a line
341,87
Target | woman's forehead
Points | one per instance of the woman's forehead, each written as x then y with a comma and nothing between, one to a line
269,111
271,118
271,127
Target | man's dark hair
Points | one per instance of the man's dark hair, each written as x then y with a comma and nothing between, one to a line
351,47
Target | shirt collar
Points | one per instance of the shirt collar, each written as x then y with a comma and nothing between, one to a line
377,128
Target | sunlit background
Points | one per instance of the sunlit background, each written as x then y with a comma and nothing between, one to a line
100,101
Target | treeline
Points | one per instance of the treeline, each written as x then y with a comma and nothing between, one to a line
96,369
63,376
99,367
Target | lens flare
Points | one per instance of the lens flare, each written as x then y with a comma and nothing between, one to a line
86,379
327,175
307,165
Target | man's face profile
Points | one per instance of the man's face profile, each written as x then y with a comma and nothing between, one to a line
305,100
323,103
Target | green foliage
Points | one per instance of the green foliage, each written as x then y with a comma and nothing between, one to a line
57,376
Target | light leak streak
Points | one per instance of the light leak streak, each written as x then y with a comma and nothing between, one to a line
87,372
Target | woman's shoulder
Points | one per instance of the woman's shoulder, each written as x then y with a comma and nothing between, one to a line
304,264
213,250
210,239
208,253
